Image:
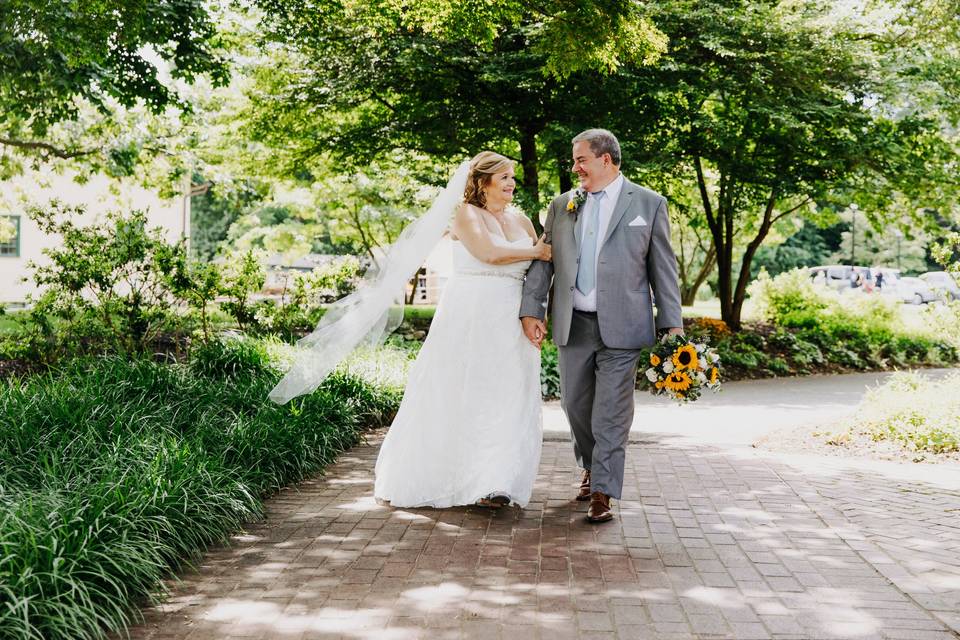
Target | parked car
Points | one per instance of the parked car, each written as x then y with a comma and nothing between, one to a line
916,291
890,281
843,277
942,284
834,276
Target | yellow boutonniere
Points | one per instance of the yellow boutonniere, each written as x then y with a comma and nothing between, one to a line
576,201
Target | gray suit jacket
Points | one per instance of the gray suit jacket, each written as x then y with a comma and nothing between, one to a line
633,258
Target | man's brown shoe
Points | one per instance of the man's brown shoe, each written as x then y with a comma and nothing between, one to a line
584,494
599,510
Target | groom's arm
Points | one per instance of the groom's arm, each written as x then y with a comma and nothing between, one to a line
536,286
663,273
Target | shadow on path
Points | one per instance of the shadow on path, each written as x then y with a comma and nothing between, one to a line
708,544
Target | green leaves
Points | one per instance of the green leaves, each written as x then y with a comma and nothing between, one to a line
571,35
52,54
115,471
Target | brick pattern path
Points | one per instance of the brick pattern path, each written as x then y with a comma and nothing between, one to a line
707,544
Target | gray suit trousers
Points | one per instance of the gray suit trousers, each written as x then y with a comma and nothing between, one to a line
596,393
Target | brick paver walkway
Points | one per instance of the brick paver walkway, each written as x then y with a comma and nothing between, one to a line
708,544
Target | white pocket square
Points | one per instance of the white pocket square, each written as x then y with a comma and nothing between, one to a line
638,222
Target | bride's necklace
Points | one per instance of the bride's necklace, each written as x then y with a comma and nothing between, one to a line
498,218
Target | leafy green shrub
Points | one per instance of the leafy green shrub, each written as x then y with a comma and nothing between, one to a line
806,353
232,356
241,278
737,353
856,332
789,296
114,470
777,365
909,410
337,279
549,370
106,281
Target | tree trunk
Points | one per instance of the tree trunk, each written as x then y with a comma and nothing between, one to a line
530,163
566,179
413,288
720,222
743,280
358,225
688,293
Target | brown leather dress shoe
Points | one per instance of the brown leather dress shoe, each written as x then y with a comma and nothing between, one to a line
599,509
584,494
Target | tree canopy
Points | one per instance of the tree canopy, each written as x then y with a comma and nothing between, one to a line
746,114
57,56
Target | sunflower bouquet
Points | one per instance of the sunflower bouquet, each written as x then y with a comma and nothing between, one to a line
682,368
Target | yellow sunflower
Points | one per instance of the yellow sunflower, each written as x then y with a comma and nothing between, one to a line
678,381
714,375
685,357
654,359
659,384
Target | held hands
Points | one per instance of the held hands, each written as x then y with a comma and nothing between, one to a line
542,250
534,329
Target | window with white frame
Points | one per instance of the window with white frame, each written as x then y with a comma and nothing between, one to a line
11,247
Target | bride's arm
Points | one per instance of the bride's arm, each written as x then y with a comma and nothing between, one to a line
470,230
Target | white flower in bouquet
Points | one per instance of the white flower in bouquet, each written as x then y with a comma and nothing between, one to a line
667,366
652,374
701,377
714,357
700,347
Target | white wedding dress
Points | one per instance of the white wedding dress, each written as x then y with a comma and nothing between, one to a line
469,425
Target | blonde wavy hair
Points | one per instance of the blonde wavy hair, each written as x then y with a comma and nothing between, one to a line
483,167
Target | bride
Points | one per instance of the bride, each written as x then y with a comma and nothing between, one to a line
468,429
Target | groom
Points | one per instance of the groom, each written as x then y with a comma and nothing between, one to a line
611,245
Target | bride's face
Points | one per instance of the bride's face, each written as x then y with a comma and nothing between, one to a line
501,186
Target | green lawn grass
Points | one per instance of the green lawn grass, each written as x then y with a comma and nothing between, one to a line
8,324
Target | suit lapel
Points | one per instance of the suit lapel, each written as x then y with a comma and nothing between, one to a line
578,228
623,203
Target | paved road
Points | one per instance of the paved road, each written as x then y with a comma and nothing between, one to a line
711,541
743,411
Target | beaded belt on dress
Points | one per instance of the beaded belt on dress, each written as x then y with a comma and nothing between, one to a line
500,274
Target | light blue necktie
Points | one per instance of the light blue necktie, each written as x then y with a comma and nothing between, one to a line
586,269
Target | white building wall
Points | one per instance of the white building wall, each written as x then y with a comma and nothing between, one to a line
99,195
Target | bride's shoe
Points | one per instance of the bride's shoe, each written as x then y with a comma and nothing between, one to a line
494,501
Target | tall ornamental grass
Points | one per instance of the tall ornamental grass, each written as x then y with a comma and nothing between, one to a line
114,471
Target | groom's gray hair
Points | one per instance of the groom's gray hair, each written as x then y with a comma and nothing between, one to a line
601,141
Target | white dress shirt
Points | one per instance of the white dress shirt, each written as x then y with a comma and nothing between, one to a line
607,204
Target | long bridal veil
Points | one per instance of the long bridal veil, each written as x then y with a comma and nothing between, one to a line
367,316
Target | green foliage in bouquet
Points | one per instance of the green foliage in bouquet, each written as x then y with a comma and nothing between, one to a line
681,368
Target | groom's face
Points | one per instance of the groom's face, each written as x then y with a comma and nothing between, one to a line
594,171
